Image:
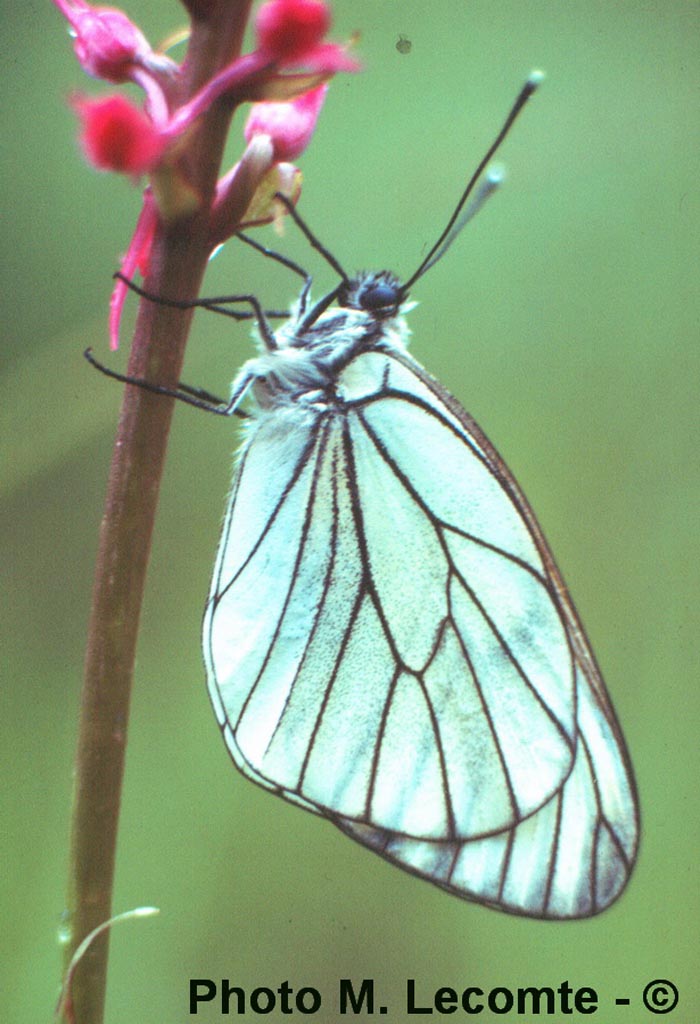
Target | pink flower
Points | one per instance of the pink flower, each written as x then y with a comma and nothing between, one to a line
107,44
289,125
289,29
117,136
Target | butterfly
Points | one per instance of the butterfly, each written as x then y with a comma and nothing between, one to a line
388,641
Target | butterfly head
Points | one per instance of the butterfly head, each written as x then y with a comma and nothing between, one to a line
379,294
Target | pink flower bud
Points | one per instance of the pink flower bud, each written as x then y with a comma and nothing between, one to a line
107,43
289,125
117,136
289,29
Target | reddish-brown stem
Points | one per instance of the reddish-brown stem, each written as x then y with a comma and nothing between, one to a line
177,266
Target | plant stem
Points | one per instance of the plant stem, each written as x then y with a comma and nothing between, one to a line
178,261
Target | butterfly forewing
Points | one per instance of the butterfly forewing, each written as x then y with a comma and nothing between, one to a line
389,643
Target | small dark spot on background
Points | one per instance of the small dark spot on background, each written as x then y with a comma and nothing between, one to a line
403,44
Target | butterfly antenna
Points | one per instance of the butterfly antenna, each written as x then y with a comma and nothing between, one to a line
455,224
310,236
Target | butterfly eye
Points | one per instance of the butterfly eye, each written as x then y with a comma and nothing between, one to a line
380,295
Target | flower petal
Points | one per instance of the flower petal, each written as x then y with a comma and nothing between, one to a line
289,125
289,29
117,136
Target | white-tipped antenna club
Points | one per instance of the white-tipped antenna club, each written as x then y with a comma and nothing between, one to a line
492,179
457,222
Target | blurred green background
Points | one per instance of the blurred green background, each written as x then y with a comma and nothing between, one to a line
565,319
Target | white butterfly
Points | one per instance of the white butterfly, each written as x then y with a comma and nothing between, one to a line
388,640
